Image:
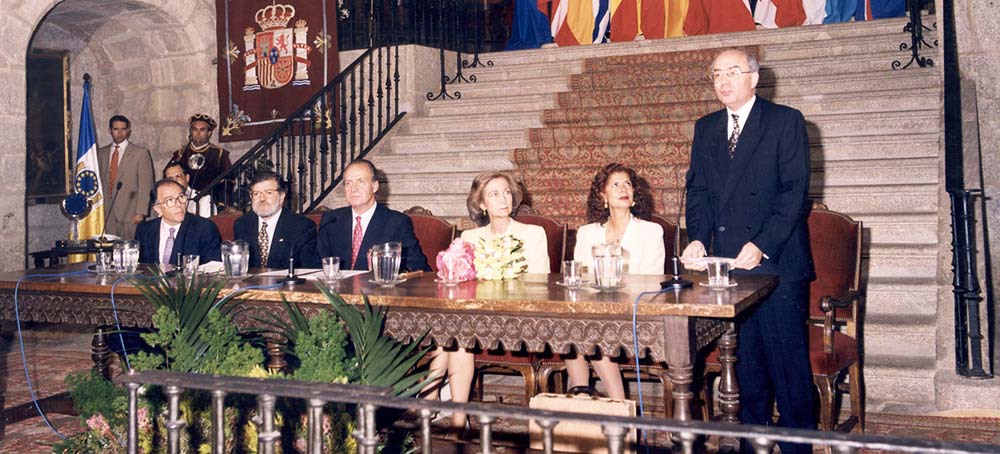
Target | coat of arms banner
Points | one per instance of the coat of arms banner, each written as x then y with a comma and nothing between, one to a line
273,56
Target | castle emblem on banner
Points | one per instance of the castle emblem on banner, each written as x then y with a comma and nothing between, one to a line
277,54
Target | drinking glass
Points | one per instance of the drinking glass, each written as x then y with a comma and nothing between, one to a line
331,268
572,273
105,261
384,260
607,265
235,258
718,273
190,264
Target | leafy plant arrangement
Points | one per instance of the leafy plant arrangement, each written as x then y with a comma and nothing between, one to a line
194,333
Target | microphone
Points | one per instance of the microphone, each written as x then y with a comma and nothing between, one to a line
291,278
676,282
111,206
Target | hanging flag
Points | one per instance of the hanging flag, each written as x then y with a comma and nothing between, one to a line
88,180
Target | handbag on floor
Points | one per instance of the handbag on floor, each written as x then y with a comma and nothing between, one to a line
568,436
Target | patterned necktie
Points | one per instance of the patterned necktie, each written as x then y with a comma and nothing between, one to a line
168,247
735,136
356,241
264,241
113,170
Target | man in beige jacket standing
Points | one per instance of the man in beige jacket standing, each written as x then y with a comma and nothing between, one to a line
127,177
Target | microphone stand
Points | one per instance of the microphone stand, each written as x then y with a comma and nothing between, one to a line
677,282
291,278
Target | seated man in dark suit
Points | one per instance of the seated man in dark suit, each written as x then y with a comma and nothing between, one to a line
349,232
175,232
273,233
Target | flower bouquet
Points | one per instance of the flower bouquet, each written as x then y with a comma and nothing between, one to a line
456,264
500,258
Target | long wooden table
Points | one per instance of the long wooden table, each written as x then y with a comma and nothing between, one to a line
533,312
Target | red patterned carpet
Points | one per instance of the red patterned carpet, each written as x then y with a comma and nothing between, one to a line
639,110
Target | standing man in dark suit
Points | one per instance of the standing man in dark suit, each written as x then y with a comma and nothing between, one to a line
176,232
349,232
747,198
274,233
130,165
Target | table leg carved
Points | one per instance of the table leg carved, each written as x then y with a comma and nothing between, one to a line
729,387
680,364
100,353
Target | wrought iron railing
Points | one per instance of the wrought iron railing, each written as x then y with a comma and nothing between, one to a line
368,401
311,148
466,24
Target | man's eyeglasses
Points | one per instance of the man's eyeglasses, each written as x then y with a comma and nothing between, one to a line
261,194
173,201
728,73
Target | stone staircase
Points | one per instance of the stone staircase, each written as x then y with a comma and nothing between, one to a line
875,137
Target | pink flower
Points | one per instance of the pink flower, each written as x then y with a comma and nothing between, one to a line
98,424
458,259
142,415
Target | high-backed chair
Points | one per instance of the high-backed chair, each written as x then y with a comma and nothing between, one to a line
555,235
433,233
225,224
521,363
671,235
836,310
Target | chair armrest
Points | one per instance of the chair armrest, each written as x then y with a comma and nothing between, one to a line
827,304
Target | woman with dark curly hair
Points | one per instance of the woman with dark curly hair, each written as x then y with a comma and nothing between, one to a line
618,209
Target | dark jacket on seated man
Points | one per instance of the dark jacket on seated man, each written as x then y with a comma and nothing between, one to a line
294,236
336,232
195,235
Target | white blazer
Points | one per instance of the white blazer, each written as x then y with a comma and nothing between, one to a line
536,250
642,246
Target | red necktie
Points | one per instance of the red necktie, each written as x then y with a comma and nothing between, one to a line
113,170
356,241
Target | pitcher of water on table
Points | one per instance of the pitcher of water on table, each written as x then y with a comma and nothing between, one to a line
236,258
607,265
384,260
126,256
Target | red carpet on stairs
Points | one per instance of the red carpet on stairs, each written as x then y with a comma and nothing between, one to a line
639,110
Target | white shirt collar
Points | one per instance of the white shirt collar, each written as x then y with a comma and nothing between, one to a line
743,112
366,218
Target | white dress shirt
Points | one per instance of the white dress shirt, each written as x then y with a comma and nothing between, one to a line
164,234
742,112
272,223
121,151
366,218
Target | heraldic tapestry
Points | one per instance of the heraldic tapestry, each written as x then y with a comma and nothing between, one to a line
273,56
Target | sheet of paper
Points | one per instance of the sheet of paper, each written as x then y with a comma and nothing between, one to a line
311,273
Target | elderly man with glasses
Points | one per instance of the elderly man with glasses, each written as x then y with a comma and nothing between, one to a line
274,233
175,233
747,199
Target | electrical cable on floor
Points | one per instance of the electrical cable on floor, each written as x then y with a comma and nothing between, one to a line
635,349
20,342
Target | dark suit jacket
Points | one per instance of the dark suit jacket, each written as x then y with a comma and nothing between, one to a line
197,235
336,231
761,196
294,236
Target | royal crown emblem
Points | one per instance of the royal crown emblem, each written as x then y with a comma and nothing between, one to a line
277,54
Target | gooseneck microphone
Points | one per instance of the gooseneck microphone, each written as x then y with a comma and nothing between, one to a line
676,282
111,206
291,278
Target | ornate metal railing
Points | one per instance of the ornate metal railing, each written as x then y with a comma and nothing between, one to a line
916,29
470,23
368,400
341,122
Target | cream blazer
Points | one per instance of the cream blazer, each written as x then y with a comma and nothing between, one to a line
536,249
642,246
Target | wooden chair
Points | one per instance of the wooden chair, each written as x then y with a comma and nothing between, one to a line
671,234
555,234
225,224
433,234
524,364
835,302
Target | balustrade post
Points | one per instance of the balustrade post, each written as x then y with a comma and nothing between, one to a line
218,421
616,438
266,435
314,436
133,416
174,423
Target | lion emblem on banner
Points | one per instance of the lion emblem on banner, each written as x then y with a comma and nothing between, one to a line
277,54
